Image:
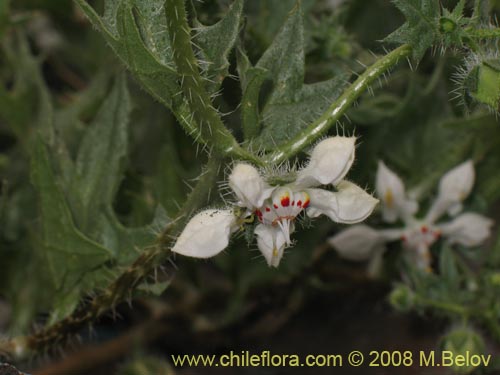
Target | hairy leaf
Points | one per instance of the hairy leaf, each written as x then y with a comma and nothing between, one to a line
291,105
138,34
216,42
69,254
421,29
99,164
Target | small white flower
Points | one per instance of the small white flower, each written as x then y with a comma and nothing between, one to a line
206,234
277,207
329,162
417,236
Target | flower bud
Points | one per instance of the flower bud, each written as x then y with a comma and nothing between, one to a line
402,298
465,342
482,82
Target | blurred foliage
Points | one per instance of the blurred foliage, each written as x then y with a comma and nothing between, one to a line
94,164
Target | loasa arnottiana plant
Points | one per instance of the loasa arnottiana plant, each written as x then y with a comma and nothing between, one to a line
468,229
277,206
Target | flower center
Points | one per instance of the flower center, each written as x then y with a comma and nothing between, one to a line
282,209
421,234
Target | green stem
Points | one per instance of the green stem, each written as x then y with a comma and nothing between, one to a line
209,126
444,306
307,136
124,284
183,115
482,33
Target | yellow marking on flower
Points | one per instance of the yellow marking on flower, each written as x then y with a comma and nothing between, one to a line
275,252
389,198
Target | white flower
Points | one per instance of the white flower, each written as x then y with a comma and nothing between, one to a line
417,236
277,207
329,162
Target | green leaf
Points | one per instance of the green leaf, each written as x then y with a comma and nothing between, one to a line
138,34
250,115
100,161
448,269
124,242
4,16
421,29
284,59
291,105
216,42
98,171
28,100
68,253
267,17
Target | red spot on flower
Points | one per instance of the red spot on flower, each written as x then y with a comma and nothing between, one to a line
306,203
258,213
299,204
268,209
424,229
403,238
275,206
293,203
285,201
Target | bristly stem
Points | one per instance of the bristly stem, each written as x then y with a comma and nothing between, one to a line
483,33
319,127
201,110
119,290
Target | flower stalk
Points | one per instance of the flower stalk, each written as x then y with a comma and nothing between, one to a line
319,127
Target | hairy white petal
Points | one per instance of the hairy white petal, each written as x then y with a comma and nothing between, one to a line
349,205
454,187
206,234
356,243
248,186
330,161
391,191
468,229
271,242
